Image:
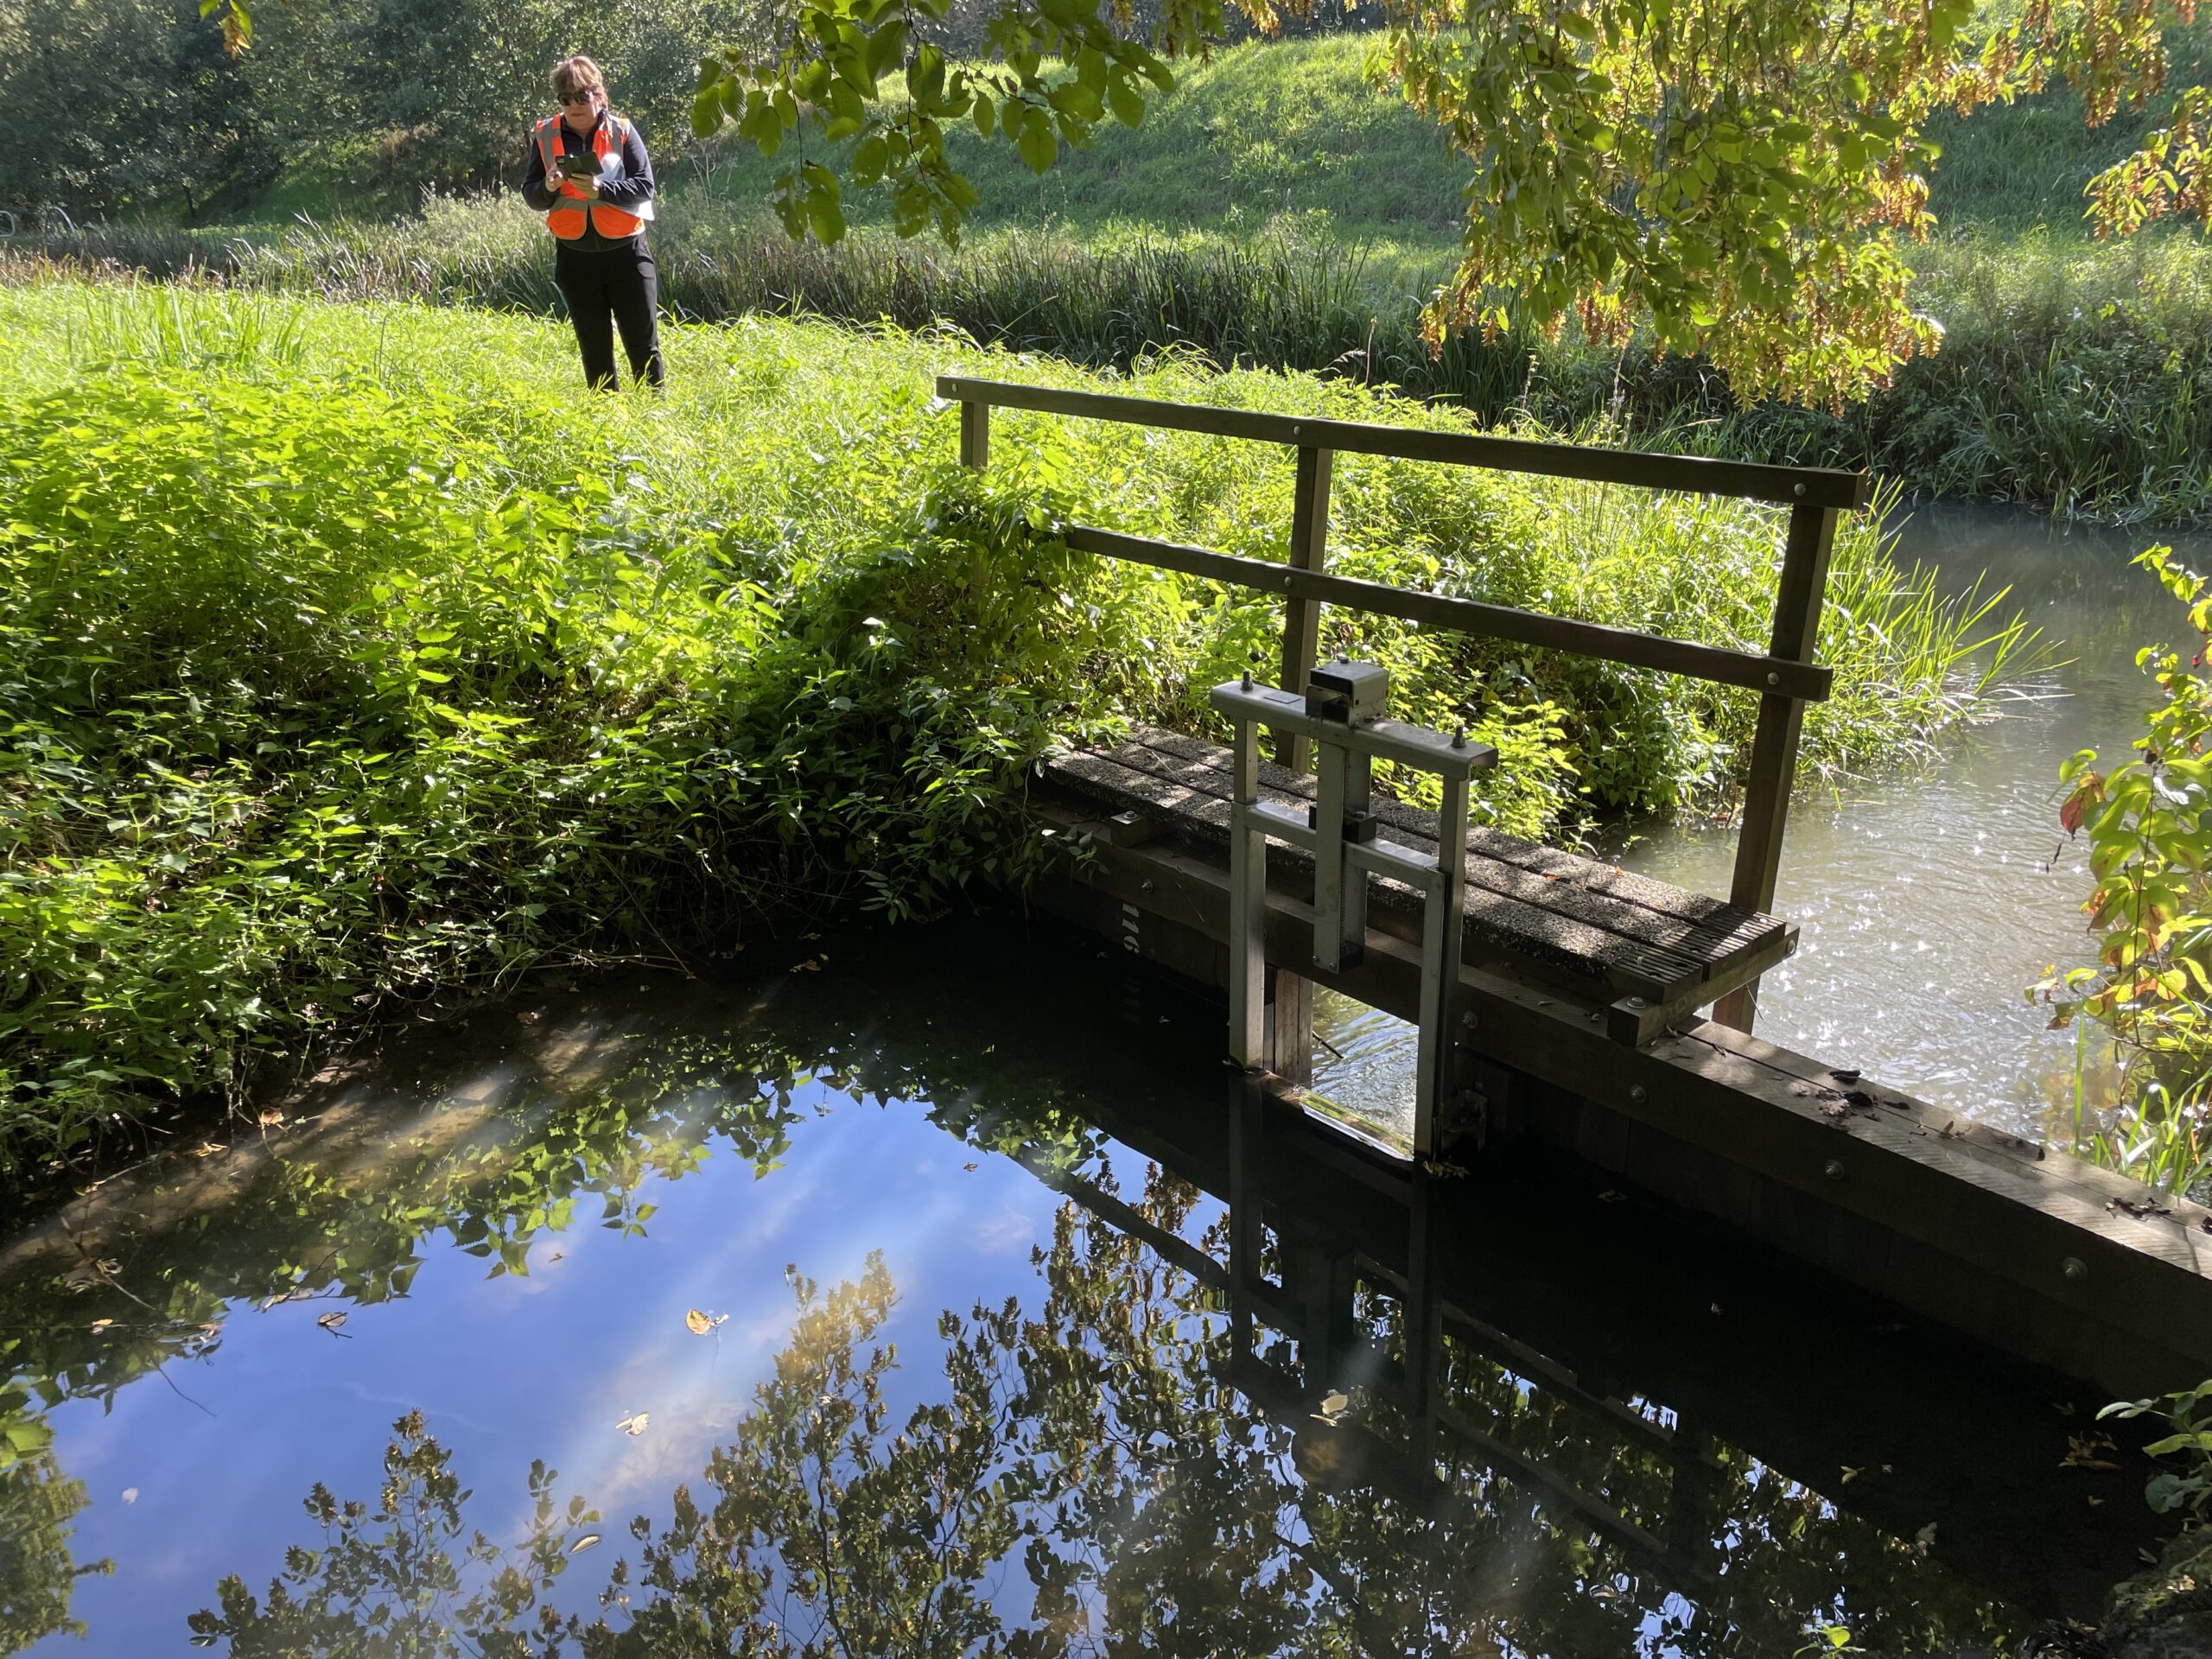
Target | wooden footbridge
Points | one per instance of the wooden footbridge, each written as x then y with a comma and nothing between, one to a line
1560,998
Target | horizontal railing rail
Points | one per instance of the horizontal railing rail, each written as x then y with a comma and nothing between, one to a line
1786,677
1623,645
1815,486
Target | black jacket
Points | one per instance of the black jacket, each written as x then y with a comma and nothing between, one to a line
634,186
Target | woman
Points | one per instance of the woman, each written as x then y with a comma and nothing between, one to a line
589,175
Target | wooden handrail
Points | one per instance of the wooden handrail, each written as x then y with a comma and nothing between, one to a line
1786,679
1814,487
1632,650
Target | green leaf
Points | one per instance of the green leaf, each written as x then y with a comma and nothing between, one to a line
1039,144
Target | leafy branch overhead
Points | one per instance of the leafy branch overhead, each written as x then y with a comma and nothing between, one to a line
1054,69
1739,174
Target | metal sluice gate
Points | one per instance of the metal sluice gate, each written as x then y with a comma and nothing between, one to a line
1341,712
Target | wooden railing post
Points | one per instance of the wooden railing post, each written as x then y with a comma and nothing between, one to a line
1290,1034
975,432
1774,745
1301,617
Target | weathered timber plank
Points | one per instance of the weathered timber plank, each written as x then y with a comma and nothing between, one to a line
1716,943
1564,868
1821,486
1560,917
1779,677
1540,935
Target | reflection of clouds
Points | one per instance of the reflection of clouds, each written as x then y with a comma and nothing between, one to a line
851,1192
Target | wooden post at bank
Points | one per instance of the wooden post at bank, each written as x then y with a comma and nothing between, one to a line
975,434
1774,747
1301,617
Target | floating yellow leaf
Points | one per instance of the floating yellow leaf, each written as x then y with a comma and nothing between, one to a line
633,1425
699,1323
583,1543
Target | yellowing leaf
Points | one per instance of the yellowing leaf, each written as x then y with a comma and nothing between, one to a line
699,1323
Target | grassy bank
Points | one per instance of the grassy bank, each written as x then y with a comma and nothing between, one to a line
2074,377
1276,212
350,661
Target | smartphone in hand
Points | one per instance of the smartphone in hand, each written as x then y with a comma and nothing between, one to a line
579,167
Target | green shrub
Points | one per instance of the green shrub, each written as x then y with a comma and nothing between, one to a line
352,653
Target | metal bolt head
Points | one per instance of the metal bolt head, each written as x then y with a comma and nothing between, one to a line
1460,738
1798,490
1248,679
1637,1093
1774,679
1833,1169
1636,1002
2075,1269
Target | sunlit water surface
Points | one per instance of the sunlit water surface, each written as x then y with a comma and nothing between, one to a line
664,1237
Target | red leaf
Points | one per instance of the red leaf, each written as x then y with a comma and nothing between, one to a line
2087,794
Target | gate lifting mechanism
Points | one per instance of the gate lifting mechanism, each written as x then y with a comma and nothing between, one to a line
1342,713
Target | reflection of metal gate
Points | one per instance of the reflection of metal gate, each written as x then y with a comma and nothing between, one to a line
1363,1414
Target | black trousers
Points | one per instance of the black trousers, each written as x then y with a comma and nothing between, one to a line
616,287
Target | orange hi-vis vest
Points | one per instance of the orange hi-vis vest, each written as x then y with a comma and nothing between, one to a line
573,208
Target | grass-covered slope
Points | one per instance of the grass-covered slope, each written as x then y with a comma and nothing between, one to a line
1292,129
350,652
1276,212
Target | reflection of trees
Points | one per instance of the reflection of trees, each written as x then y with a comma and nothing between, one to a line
143,1276
1110,1471
1143,1455
37,1576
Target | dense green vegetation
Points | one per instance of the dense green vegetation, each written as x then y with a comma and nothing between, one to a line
2149,836
131,107
345,664
1277,213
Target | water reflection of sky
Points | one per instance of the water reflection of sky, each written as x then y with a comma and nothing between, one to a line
1928,903
190,1482
546,1366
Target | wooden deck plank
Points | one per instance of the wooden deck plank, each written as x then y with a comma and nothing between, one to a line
1505,908
1716,941
1566,868
1638,937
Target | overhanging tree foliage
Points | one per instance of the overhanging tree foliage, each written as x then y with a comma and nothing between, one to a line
1741,173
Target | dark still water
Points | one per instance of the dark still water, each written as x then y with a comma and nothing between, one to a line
947,1296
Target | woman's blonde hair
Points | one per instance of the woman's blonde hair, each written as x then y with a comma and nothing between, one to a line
578,75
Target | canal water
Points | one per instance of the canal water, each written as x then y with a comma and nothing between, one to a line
1928,903
895,1298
